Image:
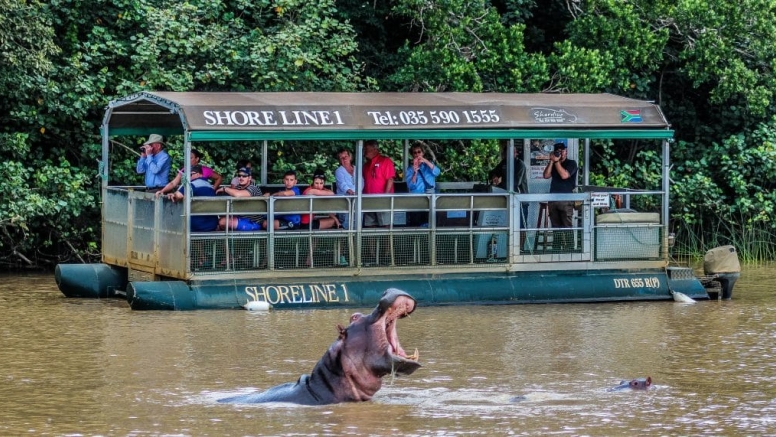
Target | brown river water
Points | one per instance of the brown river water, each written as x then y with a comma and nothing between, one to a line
95,367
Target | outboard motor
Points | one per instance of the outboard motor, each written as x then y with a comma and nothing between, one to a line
722,264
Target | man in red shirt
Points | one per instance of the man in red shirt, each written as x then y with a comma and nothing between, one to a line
379,172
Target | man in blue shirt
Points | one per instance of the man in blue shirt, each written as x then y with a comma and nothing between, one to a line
155,163
285,221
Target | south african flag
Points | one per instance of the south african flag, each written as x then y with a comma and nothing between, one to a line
630,116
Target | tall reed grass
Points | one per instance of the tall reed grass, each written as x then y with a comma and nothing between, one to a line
754,241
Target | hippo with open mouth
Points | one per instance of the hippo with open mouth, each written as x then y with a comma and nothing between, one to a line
353,367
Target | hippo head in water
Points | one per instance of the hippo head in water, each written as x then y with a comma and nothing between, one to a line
352,368
634,384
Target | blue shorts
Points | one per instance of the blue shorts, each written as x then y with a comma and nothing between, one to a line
244,224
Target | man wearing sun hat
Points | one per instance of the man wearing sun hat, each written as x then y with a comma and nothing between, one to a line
563,172
155,163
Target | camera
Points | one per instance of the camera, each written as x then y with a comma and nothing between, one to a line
557,153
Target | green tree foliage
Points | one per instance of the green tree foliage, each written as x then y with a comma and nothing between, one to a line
63,60
465,47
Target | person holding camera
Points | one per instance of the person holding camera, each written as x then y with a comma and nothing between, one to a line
563,172
421,177
155,163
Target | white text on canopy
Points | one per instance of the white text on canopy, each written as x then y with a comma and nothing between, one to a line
273,118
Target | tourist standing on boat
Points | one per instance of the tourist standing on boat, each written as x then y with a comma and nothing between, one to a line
154,162
563,172
498,178
286,221
520,182
421,174
207,174
345,174
421,177
199,187
379,172
495,177
345,177
244,188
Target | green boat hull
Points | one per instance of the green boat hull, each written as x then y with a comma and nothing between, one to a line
436,289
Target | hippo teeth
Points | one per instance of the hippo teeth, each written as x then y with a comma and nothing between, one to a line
413,357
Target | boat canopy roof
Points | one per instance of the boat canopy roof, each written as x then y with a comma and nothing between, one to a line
233,116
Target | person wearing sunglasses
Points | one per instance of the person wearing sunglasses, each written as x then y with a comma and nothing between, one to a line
421,174
318,188
345,178
244,188
421,177
243,163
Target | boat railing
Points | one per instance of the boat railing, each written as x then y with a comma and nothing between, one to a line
464,230
631,228
397,245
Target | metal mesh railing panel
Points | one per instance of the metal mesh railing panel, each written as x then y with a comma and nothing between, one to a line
454,249
114,242
627,242
411,249
328,251
143,225
208,254
291,251
375,249
115,224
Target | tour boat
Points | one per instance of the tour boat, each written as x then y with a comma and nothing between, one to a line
474,248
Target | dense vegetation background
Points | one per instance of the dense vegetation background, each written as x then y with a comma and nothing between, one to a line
710,64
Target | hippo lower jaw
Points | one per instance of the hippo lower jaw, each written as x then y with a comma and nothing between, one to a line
405,366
